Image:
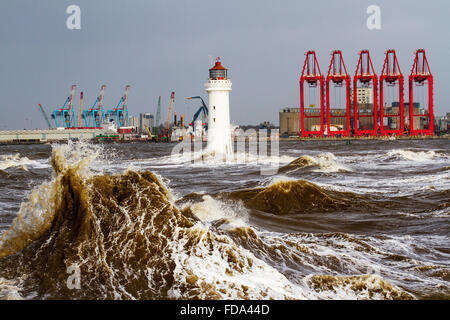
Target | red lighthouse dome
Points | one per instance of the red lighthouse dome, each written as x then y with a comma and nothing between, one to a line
218,72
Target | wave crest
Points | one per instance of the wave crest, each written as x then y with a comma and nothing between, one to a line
325,162
15,160
360,287
412,155
291,197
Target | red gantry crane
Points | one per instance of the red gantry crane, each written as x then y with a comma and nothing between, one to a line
419,77
391,76
312,76
366,77
337,73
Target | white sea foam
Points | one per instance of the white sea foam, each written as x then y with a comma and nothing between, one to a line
414,155
390,186
269,181
210,210
15,160
328,162
9,290
257,280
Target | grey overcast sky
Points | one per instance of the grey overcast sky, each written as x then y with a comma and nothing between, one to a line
160,46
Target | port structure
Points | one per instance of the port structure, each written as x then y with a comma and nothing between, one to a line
169,114
64,116
203,108
365,77
95,115
80,110
44,114
313,77
119,114
337,74
157,119
419,77
392,77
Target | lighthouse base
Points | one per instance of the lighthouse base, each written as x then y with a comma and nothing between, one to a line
220,146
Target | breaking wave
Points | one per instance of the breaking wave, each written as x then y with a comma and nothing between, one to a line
415,155
296,196
325,162
15,160
360,287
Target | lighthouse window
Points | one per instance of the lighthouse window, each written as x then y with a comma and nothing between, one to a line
214,119
216,74
214,107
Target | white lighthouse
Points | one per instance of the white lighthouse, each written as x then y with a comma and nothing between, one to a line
218,88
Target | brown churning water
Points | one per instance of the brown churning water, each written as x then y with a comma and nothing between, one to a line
369,221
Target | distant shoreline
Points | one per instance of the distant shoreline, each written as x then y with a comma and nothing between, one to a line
384,138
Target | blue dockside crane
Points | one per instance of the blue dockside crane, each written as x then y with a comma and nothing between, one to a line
120,113
203,108
95,116
45,116
65,117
